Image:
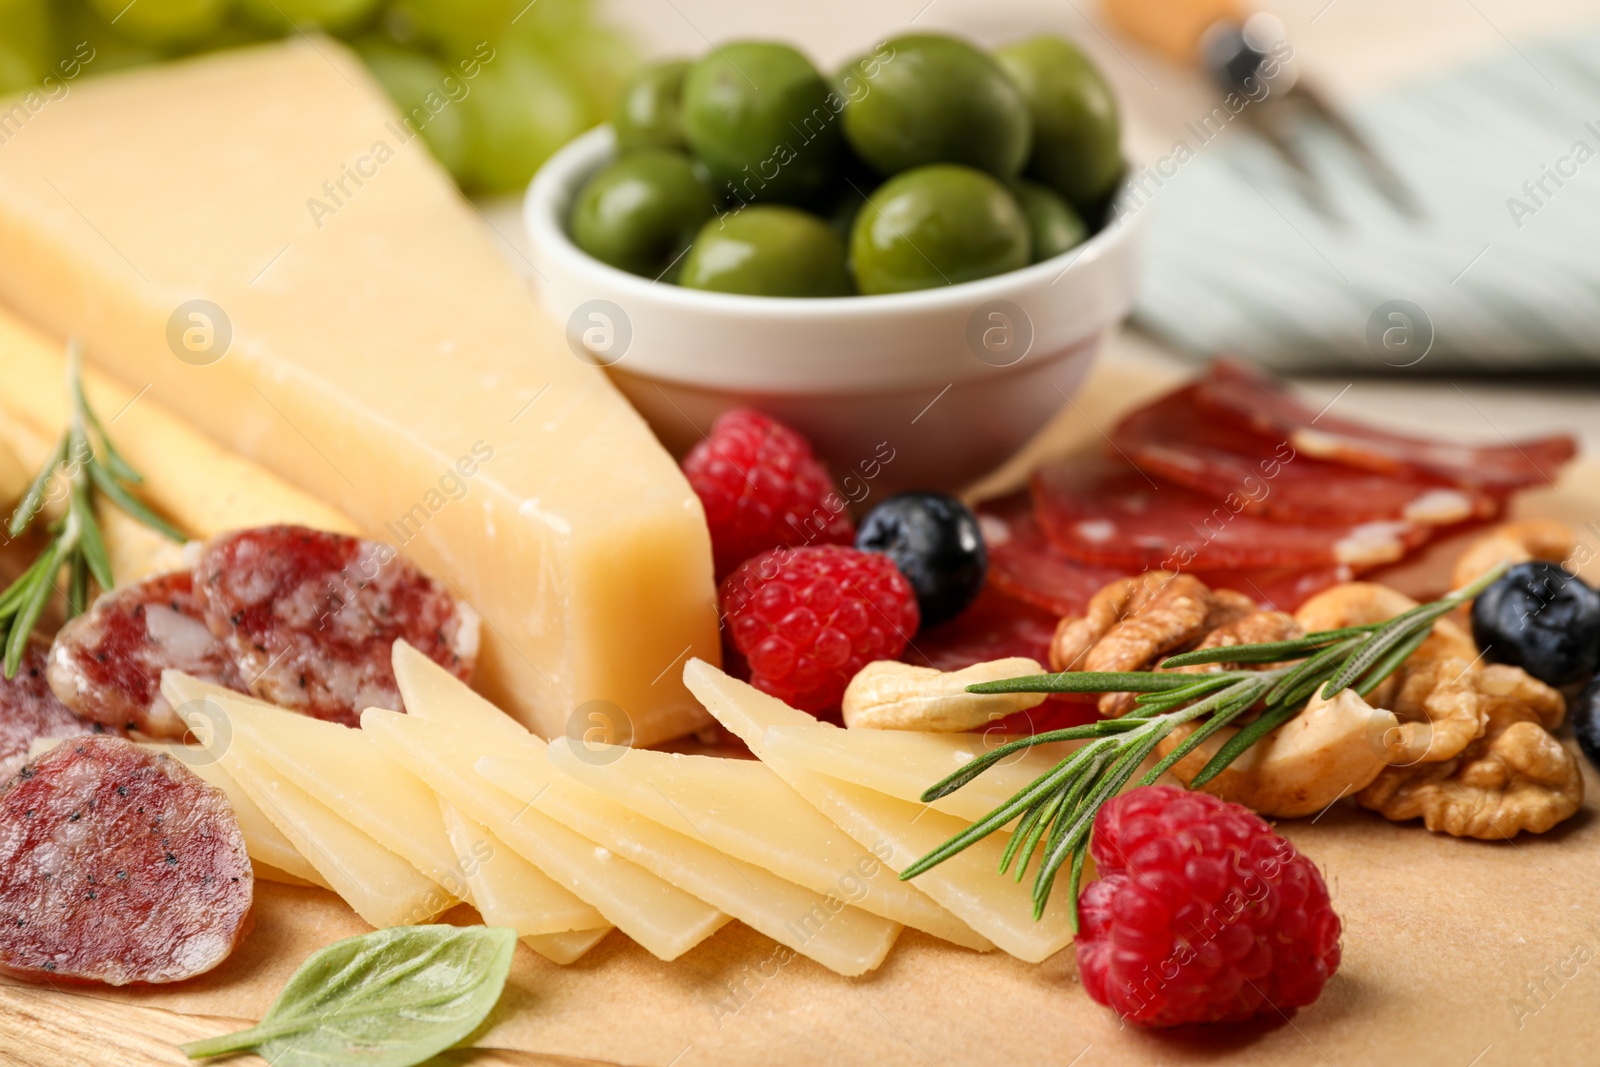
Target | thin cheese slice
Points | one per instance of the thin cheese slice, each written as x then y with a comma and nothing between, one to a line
903,763
968,884
821,927
664,919
509,891
567,947
382,888
741,808
270,851
382,356
433,694
342,769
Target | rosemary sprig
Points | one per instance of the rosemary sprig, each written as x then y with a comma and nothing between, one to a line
84,460
1055,813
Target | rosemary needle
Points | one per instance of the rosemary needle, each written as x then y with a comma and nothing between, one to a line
1057,809
83,462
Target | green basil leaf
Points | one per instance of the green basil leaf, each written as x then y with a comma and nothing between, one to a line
391,998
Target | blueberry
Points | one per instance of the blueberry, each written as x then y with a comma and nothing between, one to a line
1543,619
1586,721
934,540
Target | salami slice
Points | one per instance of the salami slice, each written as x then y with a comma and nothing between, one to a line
994,626
310,617
1182,441
1249,398
106,664
1023,565
118,865
1109,513
29,710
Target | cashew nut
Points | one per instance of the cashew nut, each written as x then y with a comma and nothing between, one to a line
886,695
1513,543
1331,749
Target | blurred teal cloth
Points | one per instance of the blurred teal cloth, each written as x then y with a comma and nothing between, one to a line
1503,155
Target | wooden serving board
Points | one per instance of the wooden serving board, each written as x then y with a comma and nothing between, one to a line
1455,952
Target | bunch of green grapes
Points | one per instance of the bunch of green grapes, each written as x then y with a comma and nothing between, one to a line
493,86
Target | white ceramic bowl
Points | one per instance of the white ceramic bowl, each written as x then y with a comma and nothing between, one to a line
927,389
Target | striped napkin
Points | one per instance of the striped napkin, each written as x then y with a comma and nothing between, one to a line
1501,272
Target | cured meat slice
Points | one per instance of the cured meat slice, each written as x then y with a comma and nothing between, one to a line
1109,513
118,865
1249,398
1179,439
1278,588
1022,564
106,664
994,626
29,710
310,617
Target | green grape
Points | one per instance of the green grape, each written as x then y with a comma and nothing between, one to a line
429,97
332,15
597,60
89,40
163,22
550,21
24,44
521,108
459,26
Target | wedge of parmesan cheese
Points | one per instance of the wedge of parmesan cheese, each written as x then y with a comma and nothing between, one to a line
509,891
968,884
310,290
744,810
822,927
904,763
382,888
341,769
664,919
270,851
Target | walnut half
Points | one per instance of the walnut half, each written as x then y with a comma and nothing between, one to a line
1514,778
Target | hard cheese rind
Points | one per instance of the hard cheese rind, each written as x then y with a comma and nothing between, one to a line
968,884
383,356
821,927
742,809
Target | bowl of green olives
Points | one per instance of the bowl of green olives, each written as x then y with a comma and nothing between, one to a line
918,256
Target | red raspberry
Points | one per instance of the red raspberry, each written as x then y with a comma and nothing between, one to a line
807,619
762,487
1202,913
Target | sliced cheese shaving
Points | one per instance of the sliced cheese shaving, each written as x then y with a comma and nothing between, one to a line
901,832
904,763
342,769
821,927
509,891
741,808
382,888
567,947
664,919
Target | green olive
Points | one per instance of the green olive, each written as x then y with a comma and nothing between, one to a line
641,212
937,225
1052,222
764,121
1076,132
926,98
768,250
648,115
